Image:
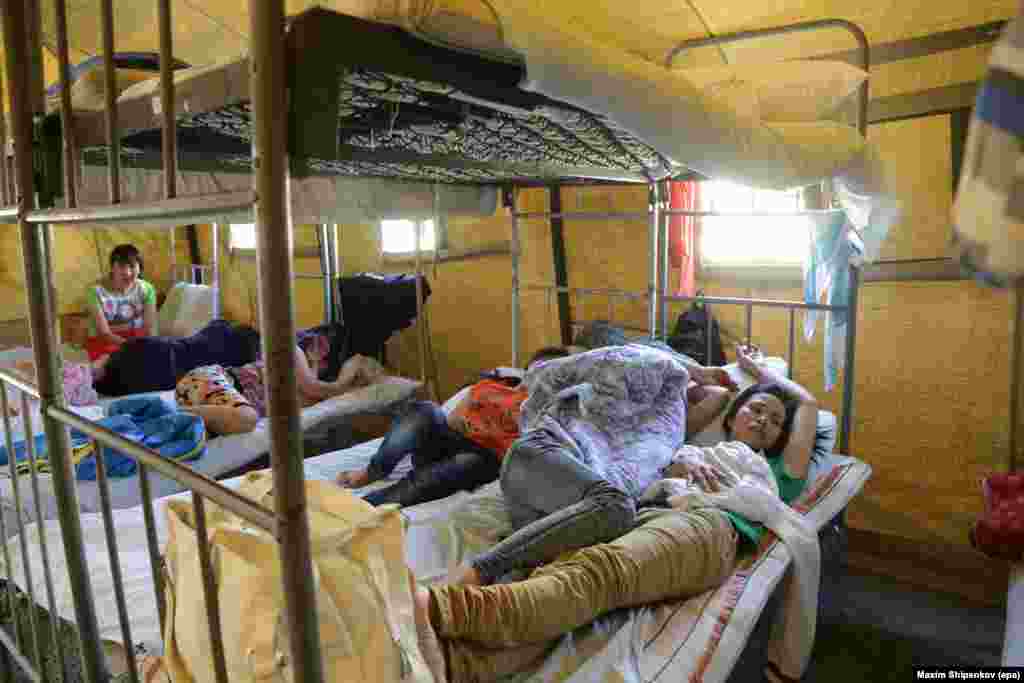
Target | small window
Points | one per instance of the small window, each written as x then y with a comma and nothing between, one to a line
399,236
243,236
762,241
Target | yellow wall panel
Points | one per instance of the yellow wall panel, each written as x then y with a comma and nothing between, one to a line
80,257
918,165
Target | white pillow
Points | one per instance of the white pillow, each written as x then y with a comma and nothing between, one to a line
714,433
187,310
795,90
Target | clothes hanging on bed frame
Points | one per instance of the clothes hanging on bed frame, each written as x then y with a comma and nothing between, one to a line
374,306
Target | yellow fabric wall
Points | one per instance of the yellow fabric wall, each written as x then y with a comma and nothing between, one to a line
80,257
239,283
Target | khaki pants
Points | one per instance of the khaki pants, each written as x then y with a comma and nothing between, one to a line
491,631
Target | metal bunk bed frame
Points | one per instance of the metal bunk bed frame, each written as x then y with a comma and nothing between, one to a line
26,199
658,217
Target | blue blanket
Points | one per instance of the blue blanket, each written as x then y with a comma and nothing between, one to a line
146,420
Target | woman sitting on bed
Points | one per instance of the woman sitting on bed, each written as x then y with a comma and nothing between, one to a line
122,306
232,400
668,554
450,453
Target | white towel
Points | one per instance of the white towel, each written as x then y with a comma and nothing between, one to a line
750,490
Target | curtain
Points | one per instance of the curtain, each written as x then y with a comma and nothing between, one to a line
682,234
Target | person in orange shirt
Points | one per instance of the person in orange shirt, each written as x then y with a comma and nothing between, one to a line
450,453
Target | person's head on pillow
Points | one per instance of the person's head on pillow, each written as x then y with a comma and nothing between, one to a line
761,416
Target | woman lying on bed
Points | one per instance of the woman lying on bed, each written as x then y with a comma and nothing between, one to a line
669,553
450,453
232,400
157,363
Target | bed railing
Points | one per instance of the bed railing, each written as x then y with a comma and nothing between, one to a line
18,193
659,213
621,295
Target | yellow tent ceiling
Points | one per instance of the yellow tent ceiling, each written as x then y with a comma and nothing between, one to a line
207,30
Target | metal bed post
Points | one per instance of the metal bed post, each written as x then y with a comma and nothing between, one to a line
41,306
215,274
862,120
421,321
277,323
169,137
326,268
653,232
849,374
849,377
515,280
331,231
66,124
666,222
110,101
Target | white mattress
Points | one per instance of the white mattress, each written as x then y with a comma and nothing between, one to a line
223,454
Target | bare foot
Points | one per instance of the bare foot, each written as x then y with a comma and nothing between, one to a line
354,479
467,576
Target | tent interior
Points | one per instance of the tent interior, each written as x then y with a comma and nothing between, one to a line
934,369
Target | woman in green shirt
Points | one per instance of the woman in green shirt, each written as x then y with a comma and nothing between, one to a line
122,306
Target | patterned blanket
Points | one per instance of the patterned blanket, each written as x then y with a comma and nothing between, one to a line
620,409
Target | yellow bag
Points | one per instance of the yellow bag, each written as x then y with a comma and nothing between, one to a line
367,628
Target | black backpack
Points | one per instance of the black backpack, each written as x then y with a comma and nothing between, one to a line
690,336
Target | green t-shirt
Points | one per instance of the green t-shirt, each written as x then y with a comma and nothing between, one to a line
789,489
121,308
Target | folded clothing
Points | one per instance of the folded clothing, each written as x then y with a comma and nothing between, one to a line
147,420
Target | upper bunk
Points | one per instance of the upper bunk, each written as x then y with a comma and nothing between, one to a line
378,110
369,99
372,99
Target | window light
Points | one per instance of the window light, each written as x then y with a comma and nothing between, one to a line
399,236
752,240
243,235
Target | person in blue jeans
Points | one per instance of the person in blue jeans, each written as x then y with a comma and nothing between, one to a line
450,452
556,502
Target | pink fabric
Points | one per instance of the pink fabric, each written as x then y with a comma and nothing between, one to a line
78,389
682,234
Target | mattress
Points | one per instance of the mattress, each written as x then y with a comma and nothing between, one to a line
424,114
223,454
570,107
676,640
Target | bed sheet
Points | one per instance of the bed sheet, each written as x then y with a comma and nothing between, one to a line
223,454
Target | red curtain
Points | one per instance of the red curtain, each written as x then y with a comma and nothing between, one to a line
682,234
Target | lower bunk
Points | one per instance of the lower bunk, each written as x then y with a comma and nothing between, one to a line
704,638
222,456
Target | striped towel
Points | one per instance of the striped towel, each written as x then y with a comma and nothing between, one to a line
988,214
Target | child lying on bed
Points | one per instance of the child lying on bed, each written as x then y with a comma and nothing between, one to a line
450,453
232,400
487,632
